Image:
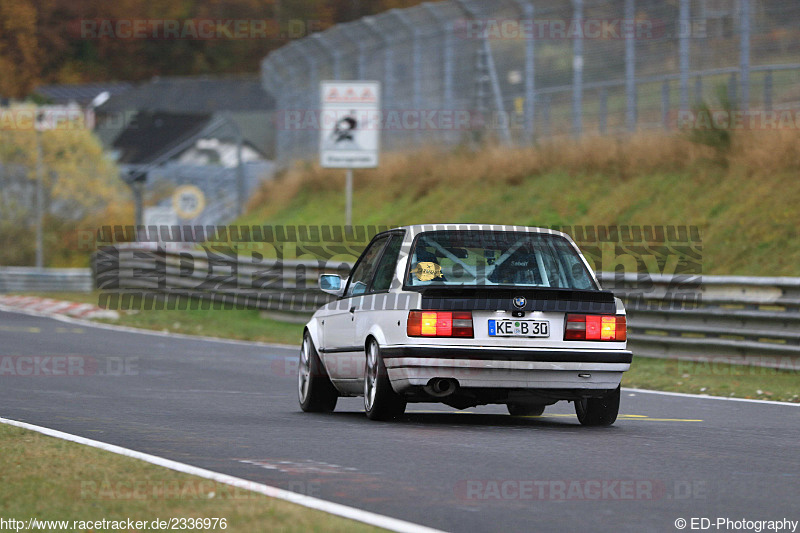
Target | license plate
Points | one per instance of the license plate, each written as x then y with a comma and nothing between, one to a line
519,328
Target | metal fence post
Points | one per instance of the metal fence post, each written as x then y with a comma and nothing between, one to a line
732,97
492,71
276,88
768,90
388,81
447,54
301,99
313,91
39,200
546,114
361,65
630,66
577,70
527,9
603,109
744,59
291,97
684,25
240,185
698,90
498,95
298,148
479,87
416,64
665,104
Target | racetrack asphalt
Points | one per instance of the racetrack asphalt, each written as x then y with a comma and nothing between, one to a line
231,407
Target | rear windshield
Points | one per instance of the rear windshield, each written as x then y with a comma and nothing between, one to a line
487,258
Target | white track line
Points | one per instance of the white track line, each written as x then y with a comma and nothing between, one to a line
706,397
352,513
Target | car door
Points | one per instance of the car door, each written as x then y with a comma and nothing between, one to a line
344,359
372,308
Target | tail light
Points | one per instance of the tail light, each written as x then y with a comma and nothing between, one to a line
595,328
439,324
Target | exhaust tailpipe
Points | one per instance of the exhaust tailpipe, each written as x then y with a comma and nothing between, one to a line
441,387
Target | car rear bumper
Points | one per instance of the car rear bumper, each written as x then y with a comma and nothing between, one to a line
507,354
506,369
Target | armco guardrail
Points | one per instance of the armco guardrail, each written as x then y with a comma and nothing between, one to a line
740,319
29,279
135,278
722,318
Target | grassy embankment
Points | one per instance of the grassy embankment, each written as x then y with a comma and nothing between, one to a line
744,201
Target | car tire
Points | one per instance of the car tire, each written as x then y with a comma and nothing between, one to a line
598,411
314,388
381,402
523,409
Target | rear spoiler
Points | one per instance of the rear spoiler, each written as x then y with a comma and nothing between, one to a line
505,299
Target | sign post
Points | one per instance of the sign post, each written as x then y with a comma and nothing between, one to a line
47,118
349,130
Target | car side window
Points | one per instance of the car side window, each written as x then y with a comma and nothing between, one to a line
387,266
362,275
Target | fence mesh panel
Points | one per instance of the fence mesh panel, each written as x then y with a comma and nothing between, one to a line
524,71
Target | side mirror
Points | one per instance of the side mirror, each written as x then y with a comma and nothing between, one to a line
332,284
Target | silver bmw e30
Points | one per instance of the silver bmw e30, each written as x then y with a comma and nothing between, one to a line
467,315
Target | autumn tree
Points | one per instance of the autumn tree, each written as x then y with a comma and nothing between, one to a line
41,41
19,66
81,189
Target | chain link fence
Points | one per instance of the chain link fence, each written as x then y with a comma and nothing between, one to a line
462,72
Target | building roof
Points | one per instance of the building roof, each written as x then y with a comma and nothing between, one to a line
82,94
195,94
151,134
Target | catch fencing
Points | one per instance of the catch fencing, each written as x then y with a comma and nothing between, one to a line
461,72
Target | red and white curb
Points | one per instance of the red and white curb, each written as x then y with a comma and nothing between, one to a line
49,306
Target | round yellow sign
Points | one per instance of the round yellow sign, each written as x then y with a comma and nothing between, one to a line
188,201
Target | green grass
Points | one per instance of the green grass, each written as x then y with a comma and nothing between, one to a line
744,206
245,324
714,379
52,479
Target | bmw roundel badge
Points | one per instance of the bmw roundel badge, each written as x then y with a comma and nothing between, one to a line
519,302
